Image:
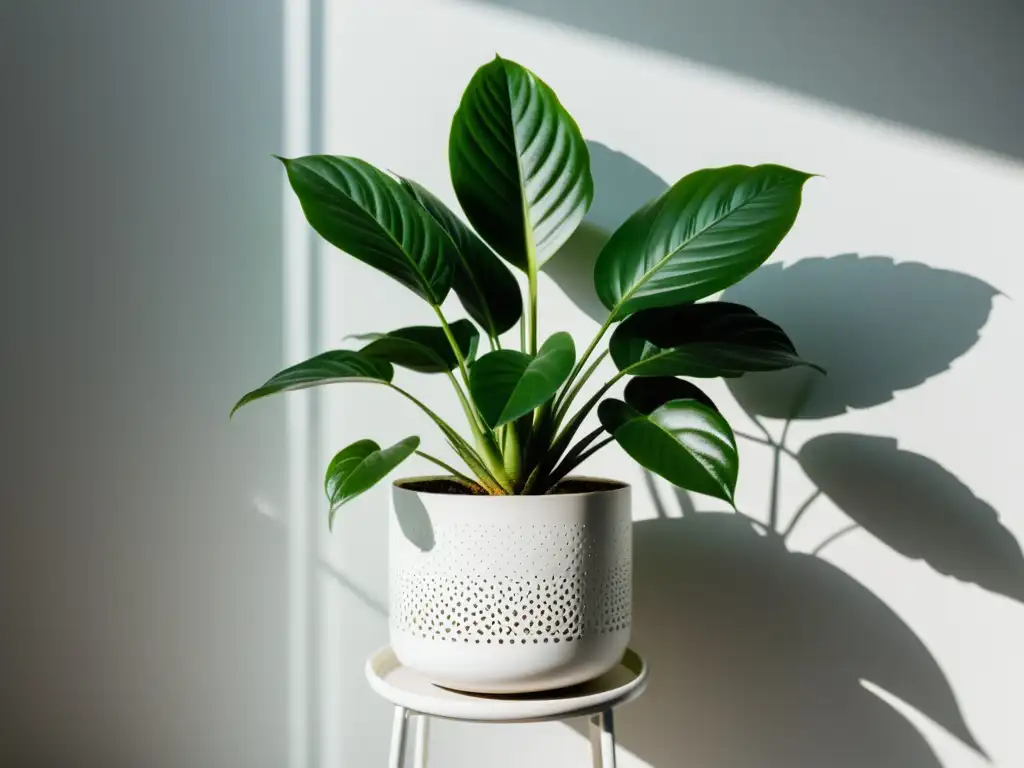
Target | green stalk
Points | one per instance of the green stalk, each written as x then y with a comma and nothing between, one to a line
451,470
484,436
532,278
471,415
462,446
454,345
588,352
570,429
574,460
510,451
484,476
570,395
565,436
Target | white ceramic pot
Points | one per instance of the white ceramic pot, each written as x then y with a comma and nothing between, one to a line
510,594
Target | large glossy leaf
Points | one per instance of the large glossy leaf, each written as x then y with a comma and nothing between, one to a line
708,231
360,466
327,368
424,348
649,393
519,164
368,214
684,441
507,384
485,286
703,340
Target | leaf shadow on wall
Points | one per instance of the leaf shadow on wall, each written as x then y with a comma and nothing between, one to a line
876,325
759,654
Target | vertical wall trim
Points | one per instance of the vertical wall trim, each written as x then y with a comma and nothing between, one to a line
296,259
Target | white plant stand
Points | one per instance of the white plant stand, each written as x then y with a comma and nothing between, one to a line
416,698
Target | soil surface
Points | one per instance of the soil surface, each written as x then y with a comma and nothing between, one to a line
455,488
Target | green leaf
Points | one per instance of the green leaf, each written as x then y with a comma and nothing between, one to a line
360,466
366,213
703,340
424,348
708,231
485,286
684,441
650,393
507,384
327,368
519,165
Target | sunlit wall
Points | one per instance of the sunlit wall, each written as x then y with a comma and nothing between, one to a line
169,593
898,277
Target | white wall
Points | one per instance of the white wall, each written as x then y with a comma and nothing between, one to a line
158,605
757,652
143,551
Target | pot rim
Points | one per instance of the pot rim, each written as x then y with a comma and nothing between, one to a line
613,487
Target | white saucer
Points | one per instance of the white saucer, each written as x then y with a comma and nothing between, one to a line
406,688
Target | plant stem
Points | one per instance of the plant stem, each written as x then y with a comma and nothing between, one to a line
454,345
495,473
569,396
587,406
532,278
471,415
588,352
445,428
571,461
451,470
561,441
484,435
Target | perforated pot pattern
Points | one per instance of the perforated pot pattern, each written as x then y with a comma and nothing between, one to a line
506,594
497,584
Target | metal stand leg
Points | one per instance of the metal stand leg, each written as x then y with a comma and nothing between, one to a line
398,731
602,739
419,747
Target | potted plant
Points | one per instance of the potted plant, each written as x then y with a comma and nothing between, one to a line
508,573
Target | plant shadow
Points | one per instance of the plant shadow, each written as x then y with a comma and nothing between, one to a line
761,655
893,322
917,507
758,653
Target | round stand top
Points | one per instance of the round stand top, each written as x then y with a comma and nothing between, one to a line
406,688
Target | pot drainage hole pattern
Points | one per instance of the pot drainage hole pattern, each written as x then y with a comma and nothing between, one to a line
555,584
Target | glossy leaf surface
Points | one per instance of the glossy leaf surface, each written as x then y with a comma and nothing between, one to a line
508,384
328,368
704,340
647,394
424,348
484,285
519,165
360,466
368,214
708,231
684,441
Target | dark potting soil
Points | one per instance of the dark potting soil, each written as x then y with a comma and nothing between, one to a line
454,488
